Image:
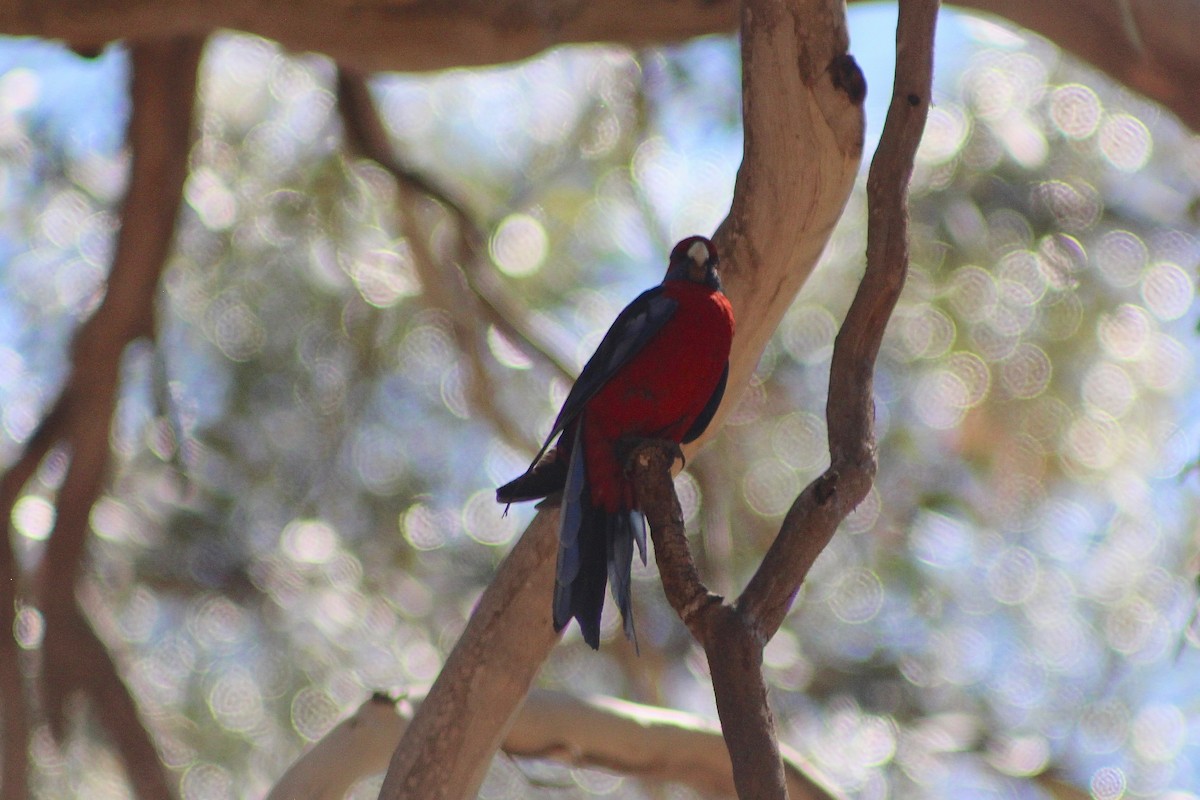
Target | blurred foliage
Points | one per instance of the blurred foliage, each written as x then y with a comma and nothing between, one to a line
302,510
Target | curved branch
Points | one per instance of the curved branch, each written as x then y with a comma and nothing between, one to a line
630,739
1148,45
850,411
734,654
114,707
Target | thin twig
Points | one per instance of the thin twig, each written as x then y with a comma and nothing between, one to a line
650,466
729,640
445,286
366,134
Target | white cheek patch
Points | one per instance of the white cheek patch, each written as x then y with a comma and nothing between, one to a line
698,252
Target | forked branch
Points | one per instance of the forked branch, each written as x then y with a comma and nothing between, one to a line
850,411
733,635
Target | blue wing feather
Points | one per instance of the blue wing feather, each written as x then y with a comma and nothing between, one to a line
570,526
632,330
595,548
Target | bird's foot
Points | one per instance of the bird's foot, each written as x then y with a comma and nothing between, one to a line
630,446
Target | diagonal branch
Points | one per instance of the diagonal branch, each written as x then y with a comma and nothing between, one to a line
450,742
92,670
734,654
459,291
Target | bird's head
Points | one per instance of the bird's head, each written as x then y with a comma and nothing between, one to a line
695,259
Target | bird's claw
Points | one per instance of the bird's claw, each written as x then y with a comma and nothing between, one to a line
629,446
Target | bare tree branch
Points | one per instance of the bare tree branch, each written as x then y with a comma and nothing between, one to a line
631,739
14,709
640,741
92,669
381,34
14,713
733,636
734,655
820,508
1149,45
458,291
802,111
356,748
450,744
163,88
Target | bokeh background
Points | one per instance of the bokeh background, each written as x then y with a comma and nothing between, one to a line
302,507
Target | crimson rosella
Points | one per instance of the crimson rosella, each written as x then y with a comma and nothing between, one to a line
659,373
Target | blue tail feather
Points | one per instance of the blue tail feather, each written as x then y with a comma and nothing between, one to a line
594,548
620,560
637,524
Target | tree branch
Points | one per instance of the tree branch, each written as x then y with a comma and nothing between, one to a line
1147,45
458,291
114,707
734,654
163,88
850,411
449,745
630,739
650,468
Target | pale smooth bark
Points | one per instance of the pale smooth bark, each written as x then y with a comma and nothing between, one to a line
1149,45
630,739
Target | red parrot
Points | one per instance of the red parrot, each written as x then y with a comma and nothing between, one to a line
659,373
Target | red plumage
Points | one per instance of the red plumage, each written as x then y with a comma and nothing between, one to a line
659,392
659,373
